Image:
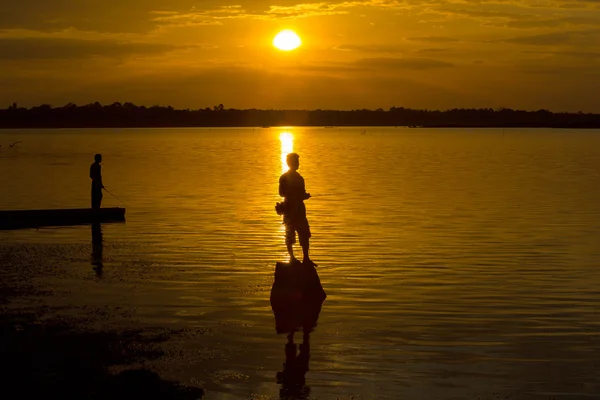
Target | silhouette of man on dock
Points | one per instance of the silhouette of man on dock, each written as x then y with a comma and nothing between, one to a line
292,189
97,186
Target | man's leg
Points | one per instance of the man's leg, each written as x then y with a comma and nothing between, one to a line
304,236
290,249
306,259
290,239
305,247
95,200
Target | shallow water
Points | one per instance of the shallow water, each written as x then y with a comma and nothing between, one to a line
458,263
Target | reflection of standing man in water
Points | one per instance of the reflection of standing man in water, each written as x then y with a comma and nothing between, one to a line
96,176
292,189
296,300
293,377
97,248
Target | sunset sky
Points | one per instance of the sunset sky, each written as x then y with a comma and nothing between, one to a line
432,54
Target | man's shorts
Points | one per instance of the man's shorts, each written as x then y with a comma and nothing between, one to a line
293,225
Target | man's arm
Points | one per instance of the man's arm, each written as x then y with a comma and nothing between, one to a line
306,195
282,186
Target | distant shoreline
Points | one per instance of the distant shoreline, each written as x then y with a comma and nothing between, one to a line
129,115
583,127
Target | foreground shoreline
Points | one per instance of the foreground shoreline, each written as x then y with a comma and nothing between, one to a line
57,359
72,352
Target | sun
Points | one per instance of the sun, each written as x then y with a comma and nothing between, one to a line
287,40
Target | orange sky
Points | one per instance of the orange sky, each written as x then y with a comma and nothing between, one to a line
355,54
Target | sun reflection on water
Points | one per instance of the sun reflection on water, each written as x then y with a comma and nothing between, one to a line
287,146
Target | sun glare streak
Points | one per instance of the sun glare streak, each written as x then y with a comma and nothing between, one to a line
287,146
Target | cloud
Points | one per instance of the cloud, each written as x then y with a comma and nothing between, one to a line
101,16
549,23
388,49
560,62
310,10
144,15
512,14
432,39
547,39
273,12
335,69
537,69
139,16
63,48
575,4
389,64
186,19
391,49
434,50
551,39
402,63
573,54
483,13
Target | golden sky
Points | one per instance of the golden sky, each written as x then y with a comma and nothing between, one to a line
355,54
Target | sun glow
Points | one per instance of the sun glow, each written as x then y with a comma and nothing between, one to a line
287,146
287,40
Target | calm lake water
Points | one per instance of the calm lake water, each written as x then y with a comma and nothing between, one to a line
458,263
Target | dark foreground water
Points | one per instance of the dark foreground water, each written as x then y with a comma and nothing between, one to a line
457,263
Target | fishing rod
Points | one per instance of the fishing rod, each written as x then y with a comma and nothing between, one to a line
108,191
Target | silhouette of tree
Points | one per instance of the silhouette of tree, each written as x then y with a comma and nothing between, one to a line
131,115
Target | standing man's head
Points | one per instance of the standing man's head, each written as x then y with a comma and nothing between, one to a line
293,161
98,158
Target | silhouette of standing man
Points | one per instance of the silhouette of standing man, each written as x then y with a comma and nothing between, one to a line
292,189
97,186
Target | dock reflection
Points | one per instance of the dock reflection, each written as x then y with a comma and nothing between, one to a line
97,248
296,299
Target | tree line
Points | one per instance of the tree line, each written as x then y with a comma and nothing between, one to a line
96,115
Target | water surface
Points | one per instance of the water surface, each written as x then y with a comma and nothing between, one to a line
459,263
